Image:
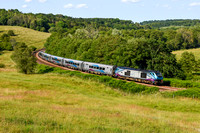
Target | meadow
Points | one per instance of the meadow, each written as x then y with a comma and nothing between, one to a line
28,36
195,51
60,103
55,102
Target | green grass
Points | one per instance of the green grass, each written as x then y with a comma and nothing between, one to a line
196,53
7,61
63,103
60,103
28,36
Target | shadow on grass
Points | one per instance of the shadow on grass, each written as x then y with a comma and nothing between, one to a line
166,83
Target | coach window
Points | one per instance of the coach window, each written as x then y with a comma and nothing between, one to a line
143,75
128,73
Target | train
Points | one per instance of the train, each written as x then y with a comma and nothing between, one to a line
144,76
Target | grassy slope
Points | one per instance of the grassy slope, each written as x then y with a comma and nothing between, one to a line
196,53
52,102
59,103
29,36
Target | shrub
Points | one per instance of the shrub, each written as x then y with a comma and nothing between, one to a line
11,33
40,69
2,65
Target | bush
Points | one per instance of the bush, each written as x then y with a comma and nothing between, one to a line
40,69
11,33
181,83
2,65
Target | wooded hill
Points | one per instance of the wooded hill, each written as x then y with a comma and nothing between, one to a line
48,22
171,22
111,41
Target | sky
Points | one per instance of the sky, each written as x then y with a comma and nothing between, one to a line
135,10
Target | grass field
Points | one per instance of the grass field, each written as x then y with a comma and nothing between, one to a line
60,103
28,36
196,53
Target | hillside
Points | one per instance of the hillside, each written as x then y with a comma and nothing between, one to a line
63,103
196,53
28,36
171,22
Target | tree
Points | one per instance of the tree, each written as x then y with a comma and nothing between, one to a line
187,62
24,59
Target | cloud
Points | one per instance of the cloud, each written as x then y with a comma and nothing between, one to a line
132,1
42,1
24,6
68,6
28,0
195,4
75,6
82,6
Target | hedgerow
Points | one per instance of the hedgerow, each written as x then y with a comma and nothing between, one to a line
129,87
181,83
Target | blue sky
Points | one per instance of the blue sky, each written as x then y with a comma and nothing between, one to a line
135,10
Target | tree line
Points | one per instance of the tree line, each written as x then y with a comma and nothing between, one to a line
49,22
171,22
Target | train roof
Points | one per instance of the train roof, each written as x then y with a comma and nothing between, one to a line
72,59
98,64
129,68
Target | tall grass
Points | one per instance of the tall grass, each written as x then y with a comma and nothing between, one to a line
62,103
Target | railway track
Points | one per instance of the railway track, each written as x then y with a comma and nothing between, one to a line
41,61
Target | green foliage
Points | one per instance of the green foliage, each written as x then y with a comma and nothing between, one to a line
41,69
170,22
188,63
51,23
148,51
181,83
6,43
24,59
2,65
11,33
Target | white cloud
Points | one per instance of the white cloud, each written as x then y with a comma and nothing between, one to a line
24,6
195,4
81,6
133,1
68,6
28,0
75,6
42,1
